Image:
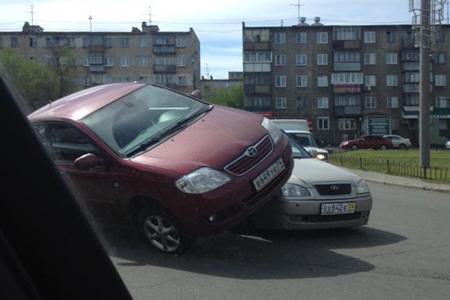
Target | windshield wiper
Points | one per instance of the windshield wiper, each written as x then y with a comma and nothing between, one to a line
169,130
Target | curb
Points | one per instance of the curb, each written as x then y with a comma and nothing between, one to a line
400,181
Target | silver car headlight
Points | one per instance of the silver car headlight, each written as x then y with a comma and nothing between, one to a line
290,190
273,130
362,187
201,181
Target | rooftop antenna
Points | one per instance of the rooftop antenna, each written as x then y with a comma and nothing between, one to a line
90,23
298,5
150,15
32,14
281,22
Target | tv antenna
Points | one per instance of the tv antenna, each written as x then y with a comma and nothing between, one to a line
32,14
90,23
298,5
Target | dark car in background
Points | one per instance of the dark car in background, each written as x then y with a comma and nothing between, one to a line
173,165
367,142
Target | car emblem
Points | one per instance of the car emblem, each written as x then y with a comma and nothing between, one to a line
251,151
334,187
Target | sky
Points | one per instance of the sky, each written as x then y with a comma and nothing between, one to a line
218,23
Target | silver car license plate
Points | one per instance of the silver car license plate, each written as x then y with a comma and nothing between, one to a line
269,174
340,208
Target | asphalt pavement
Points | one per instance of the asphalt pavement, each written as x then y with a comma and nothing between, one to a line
403,253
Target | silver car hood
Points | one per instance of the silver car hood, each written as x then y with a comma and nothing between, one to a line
319,150
313,171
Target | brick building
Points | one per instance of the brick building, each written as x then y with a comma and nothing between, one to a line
347,80
146,54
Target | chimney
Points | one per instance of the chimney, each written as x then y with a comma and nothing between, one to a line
149,28
317,22
302,22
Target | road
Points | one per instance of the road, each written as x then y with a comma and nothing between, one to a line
404,253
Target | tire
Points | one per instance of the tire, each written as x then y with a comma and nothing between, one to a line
383,147
354,147
159,228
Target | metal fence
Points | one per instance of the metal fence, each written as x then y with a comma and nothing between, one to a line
392,167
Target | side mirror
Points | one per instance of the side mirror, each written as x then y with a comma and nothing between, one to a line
87,161
196,94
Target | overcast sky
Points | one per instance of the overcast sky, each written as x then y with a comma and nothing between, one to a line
217,23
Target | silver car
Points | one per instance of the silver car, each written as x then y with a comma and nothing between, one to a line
398,141
317,196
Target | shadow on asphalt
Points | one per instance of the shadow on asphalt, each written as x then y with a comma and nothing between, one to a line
262,255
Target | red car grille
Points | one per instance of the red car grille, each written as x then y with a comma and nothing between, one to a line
246,161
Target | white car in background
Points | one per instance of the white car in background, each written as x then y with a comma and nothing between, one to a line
447,145
398,141
318,195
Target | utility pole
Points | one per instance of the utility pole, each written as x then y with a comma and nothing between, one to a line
424,94
149,15
32,14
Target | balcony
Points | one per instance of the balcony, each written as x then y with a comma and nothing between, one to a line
411,88
347,45
97,68
165,69
347,67
409,44
347,111
164,49
257,45
410,66
257,89
257,67
347,89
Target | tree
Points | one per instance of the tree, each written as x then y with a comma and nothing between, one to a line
38,83
232,96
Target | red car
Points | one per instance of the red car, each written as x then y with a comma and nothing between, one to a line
175,166
367,142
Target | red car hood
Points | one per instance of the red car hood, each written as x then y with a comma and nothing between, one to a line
214,140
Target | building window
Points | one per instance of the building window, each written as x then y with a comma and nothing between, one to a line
370,58
391,80
108,42
442,124
369,37
143,61
412,99
322,102
370,80
144,42
392,102
109,61
322,81
280,102
124,43
391,36
124,61
301,38
346,33
280,38
322,59
301,103
32,42
280,81
322,37
257,56
302,81
346,57
323,123
95,59
440,80
280,59
14,42
370,102
347,100
440,58
347,78
441,102
182,81
301,59
391,58
412,77
181,42
440,36
346,124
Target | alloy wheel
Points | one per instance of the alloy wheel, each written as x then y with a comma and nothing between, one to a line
162,233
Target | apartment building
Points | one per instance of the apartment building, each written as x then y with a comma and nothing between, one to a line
346,80
147,54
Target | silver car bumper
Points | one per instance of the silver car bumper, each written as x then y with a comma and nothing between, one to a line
304,215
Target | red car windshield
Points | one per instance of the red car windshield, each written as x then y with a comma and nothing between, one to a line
141,118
